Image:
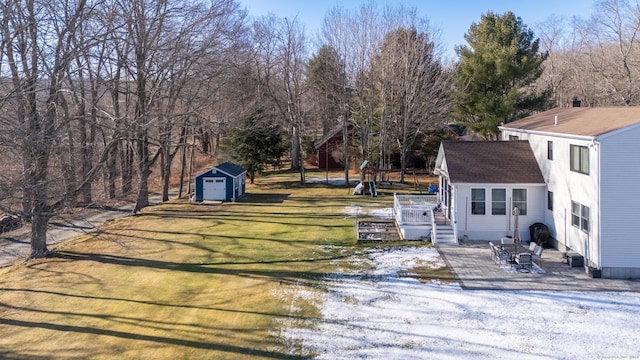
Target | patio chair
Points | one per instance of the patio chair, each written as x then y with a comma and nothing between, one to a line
537,255
495,252
524,260
498,255
532,247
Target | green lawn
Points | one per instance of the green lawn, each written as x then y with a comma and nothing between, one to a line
183,281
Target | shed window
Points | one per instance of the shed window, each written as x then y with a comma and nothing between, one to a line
520,200
498,201
478,201
513,138
580,159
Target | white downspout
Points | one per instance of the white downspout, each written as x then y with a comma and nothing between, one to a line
599,241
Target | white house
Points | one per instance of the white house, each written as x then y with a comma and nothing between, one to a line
587,187
482,181
590,161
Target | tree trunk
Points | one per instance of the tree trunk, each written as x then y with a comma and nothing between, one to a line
166,174
39,223
126,170
345,143
111,172
183,165
295,147
144,171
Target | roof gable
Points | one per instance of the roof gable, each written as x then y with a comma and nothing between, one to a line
338,129
583,121
490,162
230,169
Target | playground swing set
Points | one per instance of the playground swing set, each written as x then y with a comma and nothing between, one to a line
369,176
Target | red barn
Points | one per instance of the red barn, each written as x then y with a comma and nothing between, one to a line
330,148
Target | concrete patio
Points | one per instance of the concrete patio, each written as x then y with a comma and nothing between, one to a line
473,267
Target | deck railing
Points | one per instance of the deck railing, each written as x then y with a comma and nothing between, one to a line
414,209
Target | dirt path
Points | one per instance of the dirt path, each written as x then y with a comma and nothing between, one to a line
14,245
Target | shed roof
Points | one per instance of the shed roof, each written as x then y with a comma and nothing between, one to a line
230,168
585,121
491,162
227,168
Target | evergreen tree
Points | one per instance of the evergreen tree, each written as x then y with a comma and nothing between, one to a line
495,75
327,81
255,143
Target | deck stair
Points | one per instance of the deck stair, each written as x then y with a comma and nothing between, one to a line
445,235
444,230
377,230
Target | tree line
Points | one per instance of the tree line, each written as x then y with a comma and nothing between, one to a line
98,97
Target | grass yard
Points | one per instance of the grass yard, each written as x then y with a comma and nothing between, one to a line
183,281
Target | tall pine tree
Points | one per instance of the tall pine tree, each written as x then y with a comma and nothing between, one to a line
255,143
496,72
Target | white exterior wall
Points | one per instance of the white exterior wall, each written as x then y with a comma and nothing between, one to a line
619,199
568,186
493,227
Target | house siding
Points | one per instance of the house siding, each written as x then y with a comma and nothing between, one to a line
610,190
493,227
568,186
619,199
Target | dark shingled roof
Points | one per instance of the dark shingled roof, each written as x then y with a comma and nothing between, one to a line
230,169
491,162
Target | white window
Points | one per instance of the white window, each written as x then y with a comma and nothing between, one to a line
498,202
580,159
478,202
580,216
519,197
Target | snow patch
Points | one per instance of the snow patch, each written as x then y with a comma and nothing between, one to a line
376,314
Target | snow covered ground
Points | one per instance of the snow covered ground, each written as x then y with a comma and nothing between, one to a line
375,313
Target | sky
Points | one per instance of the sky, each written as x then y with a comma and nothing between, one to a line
452,17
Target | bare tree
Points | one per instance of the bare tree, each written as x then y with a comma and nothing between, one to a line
336,34
280,58
38,48
616,24
595,59
416,84
356,37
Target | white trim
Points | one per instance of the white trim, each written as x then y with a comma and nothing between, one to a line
218,170
550,134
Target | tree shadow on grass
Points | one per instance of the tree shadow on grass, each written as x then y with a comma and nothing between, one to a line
141,302
274,198
151,338
206,268
15,355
